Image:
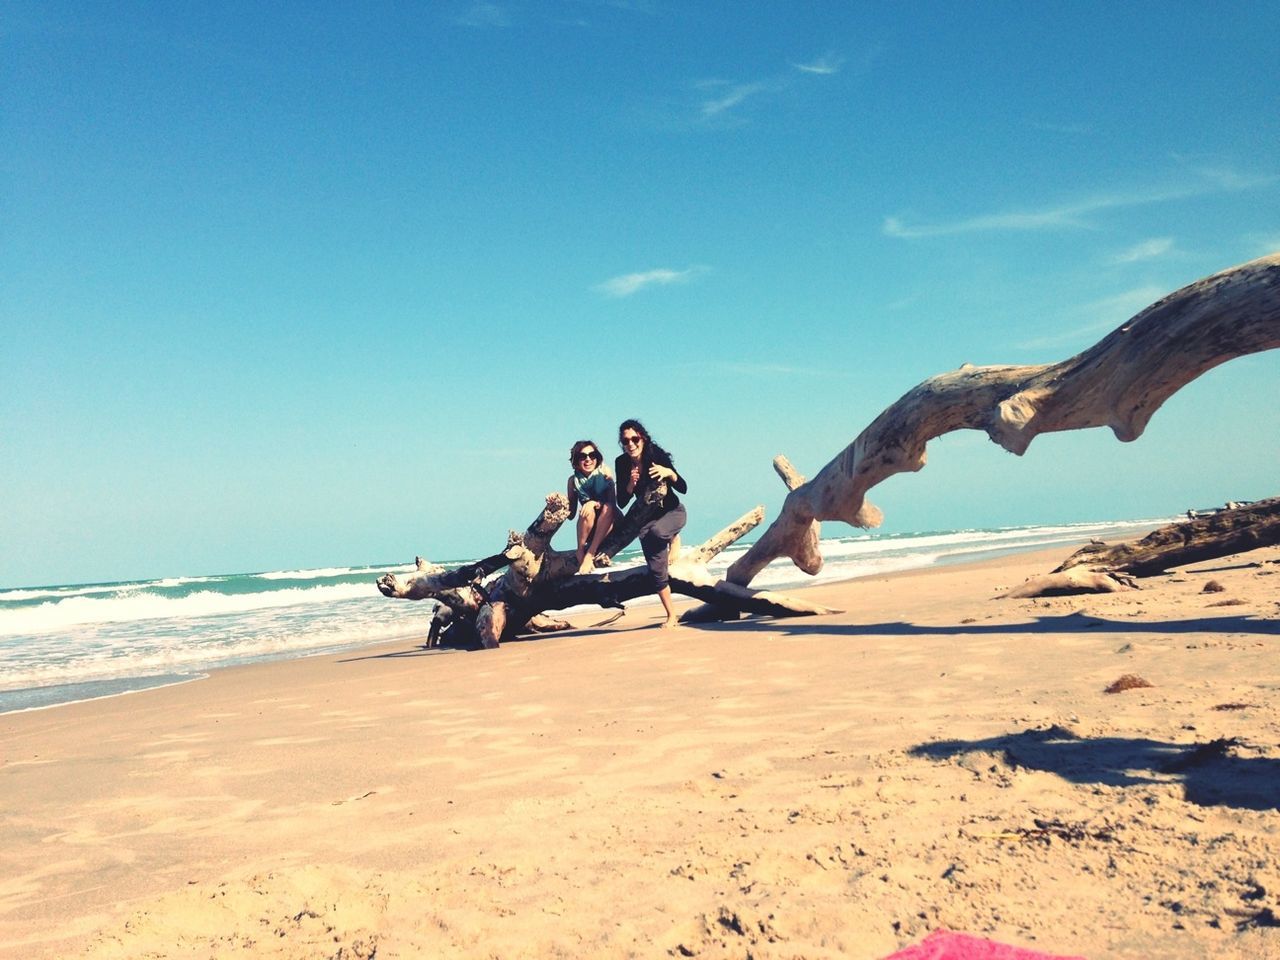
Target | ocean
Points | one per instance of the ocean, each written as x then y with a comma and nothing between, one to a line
60,644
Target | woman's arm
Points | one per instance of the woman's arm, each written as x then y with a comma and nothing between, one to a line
663,469
573,498
625,490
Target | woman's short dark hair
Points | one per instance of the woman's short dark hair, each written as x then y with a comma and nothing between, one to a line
579,447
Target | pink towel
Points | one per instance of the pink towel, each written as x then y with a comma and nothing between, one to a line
945,945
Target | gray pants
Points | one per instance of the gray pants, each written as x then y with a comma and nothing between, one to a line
655,540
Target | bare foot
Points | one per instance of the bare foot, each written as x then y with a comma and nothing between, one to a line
587,565
669,623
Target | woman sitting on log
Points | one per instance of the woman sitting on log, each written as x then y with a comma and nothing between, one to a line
591,495
645,471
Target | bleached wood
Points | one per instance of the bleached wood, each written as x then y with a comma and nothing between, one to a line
1071,582
1120,382
789,474
544,624
1223,533
705,552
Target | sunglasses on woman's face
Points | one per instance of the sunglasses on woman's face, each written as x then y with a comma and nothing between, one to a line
588,455
632,441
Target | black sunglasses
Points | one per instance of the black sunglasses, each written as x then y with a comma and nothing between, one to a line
632,441
588,455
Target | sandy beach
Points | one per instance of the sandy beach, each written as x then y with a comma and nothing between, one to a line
837,786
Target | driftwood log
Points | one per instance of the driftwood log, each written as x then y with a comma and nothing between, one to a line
1062,583
1233,530
476,604
1107,568
1119,383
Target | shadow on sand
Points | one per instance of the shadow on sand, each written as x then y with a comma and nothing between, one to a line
1066,623
794,627
418,650
1211,774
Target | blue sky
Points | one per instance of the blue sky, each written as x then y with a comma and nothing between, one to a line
317,284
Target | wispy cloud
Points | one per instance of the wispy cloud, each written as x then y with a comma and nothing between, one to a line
824,66
631,283
1076,215
1146,250
1099,317
1229,179
482,14
1069,215
732,97
723,97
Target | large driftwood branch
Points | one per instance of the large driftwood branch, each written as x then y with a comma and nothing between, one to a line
478,604
1119,383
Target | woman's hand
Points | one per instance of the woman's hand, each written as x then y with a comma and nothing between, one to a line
660,473
634,478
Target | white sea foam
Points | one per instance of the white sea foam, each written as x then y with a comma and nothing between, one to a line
320,573
143,656
59,593
316,574
87,590
130,605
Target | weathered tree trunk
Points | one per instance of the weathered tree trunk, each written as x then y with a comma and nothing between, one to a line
1120,382
538,578
1220,534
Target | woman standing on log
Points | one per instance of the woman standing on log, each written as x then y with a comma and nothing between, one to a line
645,471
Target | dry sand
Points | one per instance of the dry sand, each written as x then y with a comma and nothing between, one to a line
821,787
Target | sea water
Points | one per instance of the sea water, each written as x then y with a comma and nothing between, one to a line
65,643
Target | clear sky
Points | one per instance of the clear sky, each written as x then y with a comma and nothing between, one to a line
321,284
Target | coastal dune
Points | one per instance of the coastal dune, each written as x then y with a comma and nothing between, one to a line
837,786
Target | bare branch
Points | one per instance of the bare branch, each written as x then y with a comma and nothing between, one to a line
1120,382
705,552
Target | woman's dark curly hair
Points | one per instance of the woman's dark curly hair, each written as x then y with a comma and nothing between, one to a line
650,445
579,447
